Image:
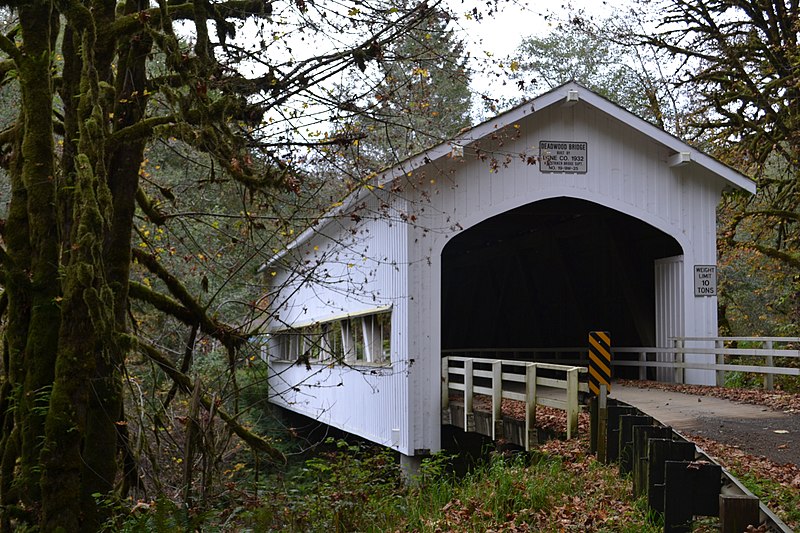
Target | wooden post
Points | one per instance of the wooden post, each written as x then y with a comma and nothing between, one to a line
689,489
497,400
446,419
679,358
469,416
642,367
659,451
769,379
626,425
602,425
593,416
737,511
641,436
530,405
614,412
678,514
720,359
572,403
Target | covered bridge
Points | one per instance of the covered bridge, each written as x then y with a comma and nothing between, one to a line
564,215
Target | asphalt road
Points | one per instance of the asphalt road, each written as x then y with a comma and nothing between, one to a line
754,429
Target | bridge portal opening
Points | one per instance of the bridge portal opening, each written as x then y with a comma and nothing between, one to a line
545,274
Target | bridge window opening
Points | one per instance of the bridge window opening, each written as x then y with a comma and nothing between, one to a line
356,340
531,283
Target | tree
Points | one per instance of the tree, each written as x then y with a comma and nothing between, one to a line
99,84
422,98
740,60
599,56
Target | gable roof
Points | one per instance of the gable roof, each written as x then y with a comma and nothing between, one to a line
571,92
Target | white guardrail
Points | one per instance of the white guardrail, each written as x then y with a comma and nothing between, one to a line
723,349
498,379
673,359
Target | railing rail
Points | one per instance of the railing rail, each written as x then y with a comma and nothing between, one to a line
674,357
513,380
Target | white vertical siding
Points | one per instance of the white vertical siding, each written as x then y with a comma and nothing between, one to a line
669,308
353,265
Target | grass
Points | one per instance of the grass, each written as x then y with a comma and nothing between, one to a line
785,499
360,489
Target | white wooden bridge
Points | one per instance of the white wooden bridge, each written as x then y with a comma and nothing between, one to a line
564,215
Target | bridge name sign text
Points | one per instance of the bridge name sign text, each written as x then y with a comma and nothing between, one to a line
563,156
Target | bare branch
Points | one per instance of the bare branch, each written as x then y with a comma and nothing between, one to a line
185,384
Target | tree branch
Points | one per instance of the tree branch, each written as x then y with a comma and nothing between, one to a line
185,384
146,204
222,332
3,303
785,257
139,130
8,46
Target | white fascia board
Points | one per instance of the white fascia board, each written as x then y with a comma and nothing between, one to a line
332,318
508,118
730,175
569,94
310,231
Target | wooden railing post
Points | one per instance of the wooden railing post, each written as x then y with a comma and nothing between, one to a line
769,379
530,404
642,367
497,400
446,391
469,416
679,358
720,359
572,402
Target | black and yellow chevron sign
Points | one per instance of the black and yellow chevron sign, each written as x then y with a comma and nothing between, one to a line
599,361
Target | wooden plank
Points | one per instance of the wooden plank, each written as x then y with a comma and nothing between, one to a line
565,368
530,403
552,383
572,403
748,352
742,339
786,371
552,402
497,400
518,396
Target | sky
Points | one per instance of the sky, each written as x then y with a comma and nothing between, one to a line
493,38
503,31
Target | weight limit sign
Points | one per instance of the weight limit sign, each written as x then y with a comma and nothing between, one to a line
599,361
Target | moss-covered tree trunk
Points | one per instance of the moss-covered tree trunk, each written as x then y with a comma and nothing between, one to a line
36,165
74,159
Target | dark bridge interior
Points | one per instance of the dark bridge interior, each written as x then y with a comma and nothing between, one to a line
545,274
